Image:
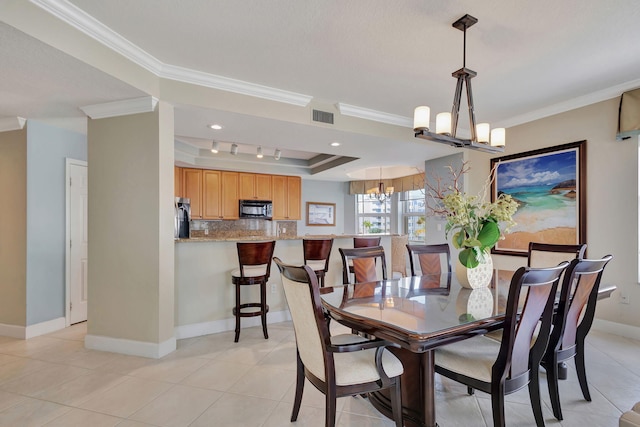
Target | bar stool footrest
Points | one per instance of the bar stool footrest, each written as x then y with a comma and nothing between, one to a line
250,313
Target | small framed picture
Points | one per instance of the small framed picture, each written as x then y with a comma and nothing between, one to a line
321,213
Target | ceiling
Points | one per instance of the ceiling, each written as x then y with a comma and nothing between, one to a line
380,58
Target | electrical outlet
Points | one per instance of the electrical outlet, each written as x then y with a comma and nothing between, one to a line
273,288
624,299
206,231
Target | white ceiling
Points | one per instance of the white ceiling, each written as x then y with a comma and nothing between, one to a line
532,58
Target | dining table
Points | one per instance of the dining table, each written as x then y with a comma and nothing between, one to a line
417,315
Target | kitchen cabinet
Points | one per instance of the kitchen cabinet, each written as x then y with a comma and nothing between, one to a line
177,181
286,196
254,186
220,195
192,189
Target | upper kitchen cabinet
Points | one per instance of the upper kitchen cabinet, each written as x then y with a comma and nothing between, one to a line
177,181
220,195
286,196
254,186
192,189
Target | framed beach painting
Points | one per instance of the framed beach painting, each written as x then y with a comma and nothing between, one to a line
550,186
321,213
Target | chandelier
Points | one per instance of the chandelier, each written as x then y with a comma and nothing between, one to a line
380,192
447,123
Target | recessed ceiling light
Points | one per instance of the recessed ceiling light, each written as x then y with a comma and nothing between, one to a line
215,126
335,144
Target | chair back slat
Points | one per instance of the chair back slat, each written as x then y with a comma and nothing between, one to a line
366,242
364,262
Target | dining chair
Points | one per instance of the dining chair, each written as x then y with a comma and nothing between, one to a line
571,324
504,367
340,365
429,260
362,262
548,254
316,254
254,260
366,242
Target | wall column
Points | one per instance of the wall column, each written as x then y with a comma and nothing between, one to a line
131,246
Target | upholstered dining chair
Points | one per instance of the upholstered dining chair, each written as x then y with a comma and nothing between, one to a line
316,254
503,367
571,324
548,254
254,259
338,366
430,260
362,262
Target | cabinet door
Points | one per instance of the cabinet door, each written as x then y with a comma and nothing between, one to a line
229,198
294,197
177,181
211,194
247,184
192,189
263,187
279,196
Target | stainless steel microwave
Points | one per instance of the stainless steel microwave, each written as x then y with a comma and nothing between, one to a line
261,209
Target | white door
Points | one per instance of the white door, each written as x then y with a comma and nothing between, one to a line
78,239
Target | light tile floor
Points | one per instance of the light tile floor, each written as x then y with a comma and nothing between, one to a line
210,381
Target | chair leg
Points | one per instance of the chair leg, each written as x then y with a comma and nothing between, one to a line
263,307
552,382
299,388
470,391
396,402
534,397
497,405
582,371
237,313
330,404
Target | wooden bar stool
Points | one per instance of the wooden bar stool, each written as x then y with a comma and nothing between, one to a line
316,255
255,266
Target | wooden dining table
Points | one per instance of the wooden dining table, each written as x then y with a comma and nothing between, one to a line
419,314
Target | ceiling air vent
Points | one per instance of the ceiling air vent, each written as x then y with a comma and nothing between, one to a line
322,116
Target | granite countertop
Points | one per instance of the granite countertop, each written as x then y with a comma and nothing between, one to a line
263,238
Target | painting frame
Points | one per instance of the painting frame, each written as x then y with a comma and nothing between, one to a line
321,214
572,216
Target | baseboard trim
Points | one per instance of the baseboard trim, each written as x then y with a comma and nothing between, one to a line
620,329
229,324
26,332
130,347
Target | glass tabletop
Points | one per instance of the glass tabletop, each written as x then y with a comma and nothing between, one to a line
416,312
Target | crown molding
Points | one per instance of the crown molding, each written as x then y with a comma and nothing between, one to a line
374,115
121,108
571,104
185,75
85,23
12,123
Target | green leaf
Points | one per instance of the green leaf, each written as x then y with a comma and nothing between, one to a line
458,239
489,235
468,258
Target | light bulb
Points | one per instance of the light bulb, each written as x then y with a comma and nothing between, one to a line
421,117
498,137
443,123
482,132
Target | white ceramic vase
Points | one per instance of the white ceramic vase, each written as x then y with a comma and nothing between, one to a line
478,277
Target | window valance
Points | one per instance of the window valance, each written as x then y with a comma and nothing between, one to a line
405,183
629,115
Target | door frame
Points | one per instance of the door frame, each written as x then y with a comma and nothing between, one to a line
67,239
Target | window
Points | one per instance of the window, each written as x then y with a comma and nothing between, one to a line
412,206
372,215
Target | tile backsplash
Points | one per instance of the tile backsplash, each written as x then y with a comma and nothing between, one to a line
243,228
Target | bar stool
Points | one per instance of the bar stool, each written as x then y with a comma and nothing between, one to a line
316,255
255,266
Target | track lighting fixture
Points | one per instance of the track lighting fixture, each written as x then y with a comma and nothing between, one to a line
214,147
234,149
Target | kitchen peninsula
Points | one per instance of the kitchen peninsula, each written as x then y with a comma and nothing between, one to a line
204,294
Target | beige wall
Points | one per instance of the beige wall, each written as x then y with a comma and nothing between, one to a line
131,270
612,202
13,227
